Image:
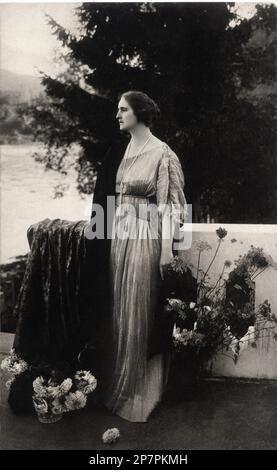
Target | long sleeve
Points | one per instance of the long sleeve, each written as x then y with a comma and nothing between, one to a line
170,185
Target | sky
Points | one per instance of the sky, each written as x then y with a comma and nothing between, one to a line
27,43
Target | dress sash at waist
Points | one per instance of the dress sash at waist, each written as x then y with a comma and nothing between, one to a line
138,206
151,198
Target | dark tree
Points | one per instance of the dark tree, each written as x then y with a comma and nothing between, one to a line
200,69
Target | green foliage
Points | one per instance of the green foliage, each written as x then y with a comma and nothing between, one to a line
13,127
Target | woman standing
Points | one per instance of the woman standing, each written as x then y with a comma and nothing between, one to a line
150,172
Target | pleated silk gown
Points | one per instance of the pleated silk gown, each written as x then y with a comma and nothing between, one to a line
136,384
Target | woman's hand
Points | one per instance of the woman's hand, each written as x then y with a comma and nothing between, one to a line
166,258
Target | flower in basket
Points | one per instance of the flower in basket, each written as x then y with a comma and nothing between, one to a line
57,407
75,401
13,364
49,389
221,316
85,381
184,339
51,399
48,398
40,405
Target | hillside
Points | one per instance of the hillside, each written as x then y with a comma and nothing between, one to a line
19,87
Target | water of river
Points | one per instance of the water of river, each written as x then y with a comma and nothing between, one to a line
27,192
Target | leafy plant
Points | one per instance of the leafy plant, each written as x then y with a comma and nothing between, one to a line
210,63
213,323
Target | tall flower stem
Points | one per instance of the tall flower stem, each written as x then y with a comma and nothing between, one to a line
198,263
218,281
259,273
216,251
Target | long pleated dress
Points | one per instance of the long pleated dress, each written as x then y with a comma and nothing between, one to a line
136,384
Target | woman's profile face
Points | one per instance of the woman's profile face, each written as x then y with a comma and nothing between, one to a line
125,115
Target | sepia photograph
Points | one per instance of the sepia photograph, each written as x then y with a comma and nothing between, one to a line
138,228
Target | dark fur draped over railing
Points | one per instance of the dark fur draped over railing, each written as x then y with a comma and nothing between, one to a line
59,296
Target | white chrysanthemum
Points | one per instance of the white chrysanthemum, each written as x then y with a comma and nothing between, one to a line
53,391
40,405
192,304
85,381
75,401
57,407
42,389
207,307
82,375
39,387
64,387
14,365
110,436
87,389
19,367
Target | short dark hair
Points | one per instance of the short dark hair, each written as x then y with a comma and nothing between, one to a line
145,109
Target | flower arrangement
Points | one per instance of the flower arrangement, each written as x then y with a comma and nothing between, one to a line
240,289
52,399
14,366
211,333
47,390
252,264
199,330
216,320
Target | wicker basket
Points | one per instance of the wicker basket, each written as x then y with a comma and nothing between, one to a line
48,418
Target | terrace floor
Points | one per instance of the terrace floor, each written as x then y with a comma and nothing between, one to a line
224,414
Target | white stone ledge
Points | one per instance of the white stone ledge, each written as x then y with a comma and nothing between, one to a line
232,228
